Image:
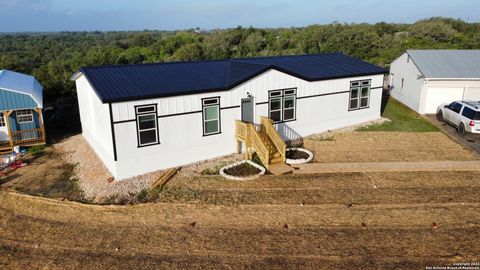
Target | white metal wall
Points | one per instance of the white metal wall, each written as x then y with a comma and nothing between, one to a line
181,136
411,92
95,119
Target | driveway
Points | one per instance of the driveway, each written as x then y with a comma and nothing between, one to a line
471,141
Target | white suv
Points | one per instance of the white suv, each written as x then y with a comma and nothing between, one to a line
464,115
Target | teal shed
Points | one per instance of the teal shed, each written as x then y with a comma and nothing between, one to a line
21,103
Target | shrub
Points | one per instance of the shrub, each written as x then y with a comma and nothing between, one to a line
36,150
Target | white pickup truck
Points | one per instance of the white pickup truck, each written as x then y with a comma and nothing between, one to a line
464,115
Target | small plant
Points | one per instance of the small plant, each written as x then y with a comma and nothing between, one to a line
323,138
110,199
153,193
215,170
36,150
256,159
142,196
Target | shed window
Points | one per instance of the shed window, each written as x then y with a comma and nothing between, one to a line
282,105
359,95
2,119
211,116
147,126
24,116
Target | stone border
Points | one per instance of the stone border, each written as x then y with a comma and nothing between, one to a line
240,178
302,160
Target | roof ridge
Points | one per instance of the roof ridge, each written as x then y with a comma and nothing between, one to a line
154,64
209,60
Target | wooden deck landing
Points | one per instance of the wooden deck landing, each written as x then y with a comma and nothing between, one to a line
280,168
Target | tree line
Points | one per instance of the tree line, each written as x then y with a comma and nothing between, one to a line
53,57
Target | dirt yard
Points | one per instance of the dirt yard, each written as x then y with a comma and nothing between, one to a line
385,146
389,220
71,165
306,222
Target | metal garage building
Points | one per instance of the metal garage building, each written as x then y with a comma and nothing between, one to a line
424,79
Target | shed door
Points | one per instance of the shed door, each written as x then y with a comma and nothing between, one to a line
435,96
472,93
247,109
3,128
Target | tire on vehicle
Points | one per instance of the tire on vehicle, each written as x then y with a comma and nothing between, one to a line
461,129
440,115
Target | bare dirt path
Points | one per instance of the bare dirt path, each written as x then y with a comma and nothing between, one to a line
447,165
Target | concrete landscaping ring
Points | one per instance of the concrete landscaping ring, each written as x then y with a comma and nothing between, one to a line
239,178
301,160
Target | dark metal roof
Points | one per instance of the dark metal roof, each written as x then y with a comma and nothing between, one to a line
133,82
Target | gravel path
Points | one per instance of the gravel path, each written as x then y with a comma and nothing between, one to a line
94,176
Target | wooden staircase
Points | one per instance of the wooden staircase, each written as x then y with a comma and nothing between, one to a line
266,142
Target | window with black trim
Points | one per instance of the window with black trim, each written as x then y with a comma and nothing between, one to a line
2,119
211,116
359,95
24,116
282,105
147,125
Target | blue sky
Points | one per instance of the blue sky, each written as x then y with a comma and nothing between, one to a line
70,15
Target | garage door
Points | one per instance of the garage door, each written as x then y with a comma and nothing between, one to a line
438,95
472,93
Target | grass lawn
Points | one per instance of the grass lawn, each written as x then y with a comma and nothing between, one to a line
403,119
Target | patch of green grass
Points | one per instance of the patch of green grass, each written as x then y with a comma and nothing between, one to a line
142,196
73,191
36,150
402,119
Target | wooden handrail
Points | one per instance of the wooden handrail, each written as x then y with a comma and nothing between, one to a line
241,130
248,133
269,129
260,147
28,135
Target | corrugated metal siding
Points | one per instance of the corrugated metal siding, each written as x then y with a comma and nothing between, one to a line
13,101
447,63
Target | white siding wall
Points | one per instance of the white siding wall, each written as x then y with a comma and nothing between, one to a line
95,119
411,93
181,137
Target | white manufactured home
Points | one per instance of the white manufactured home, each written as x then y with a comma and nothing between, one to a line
424,79
143,118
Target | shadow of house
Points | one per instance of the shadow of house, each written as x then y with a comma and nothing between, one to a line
385,98
290,136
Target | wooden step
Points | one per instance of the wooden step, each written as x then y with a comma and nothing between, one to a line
280,168
276,160
276,154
